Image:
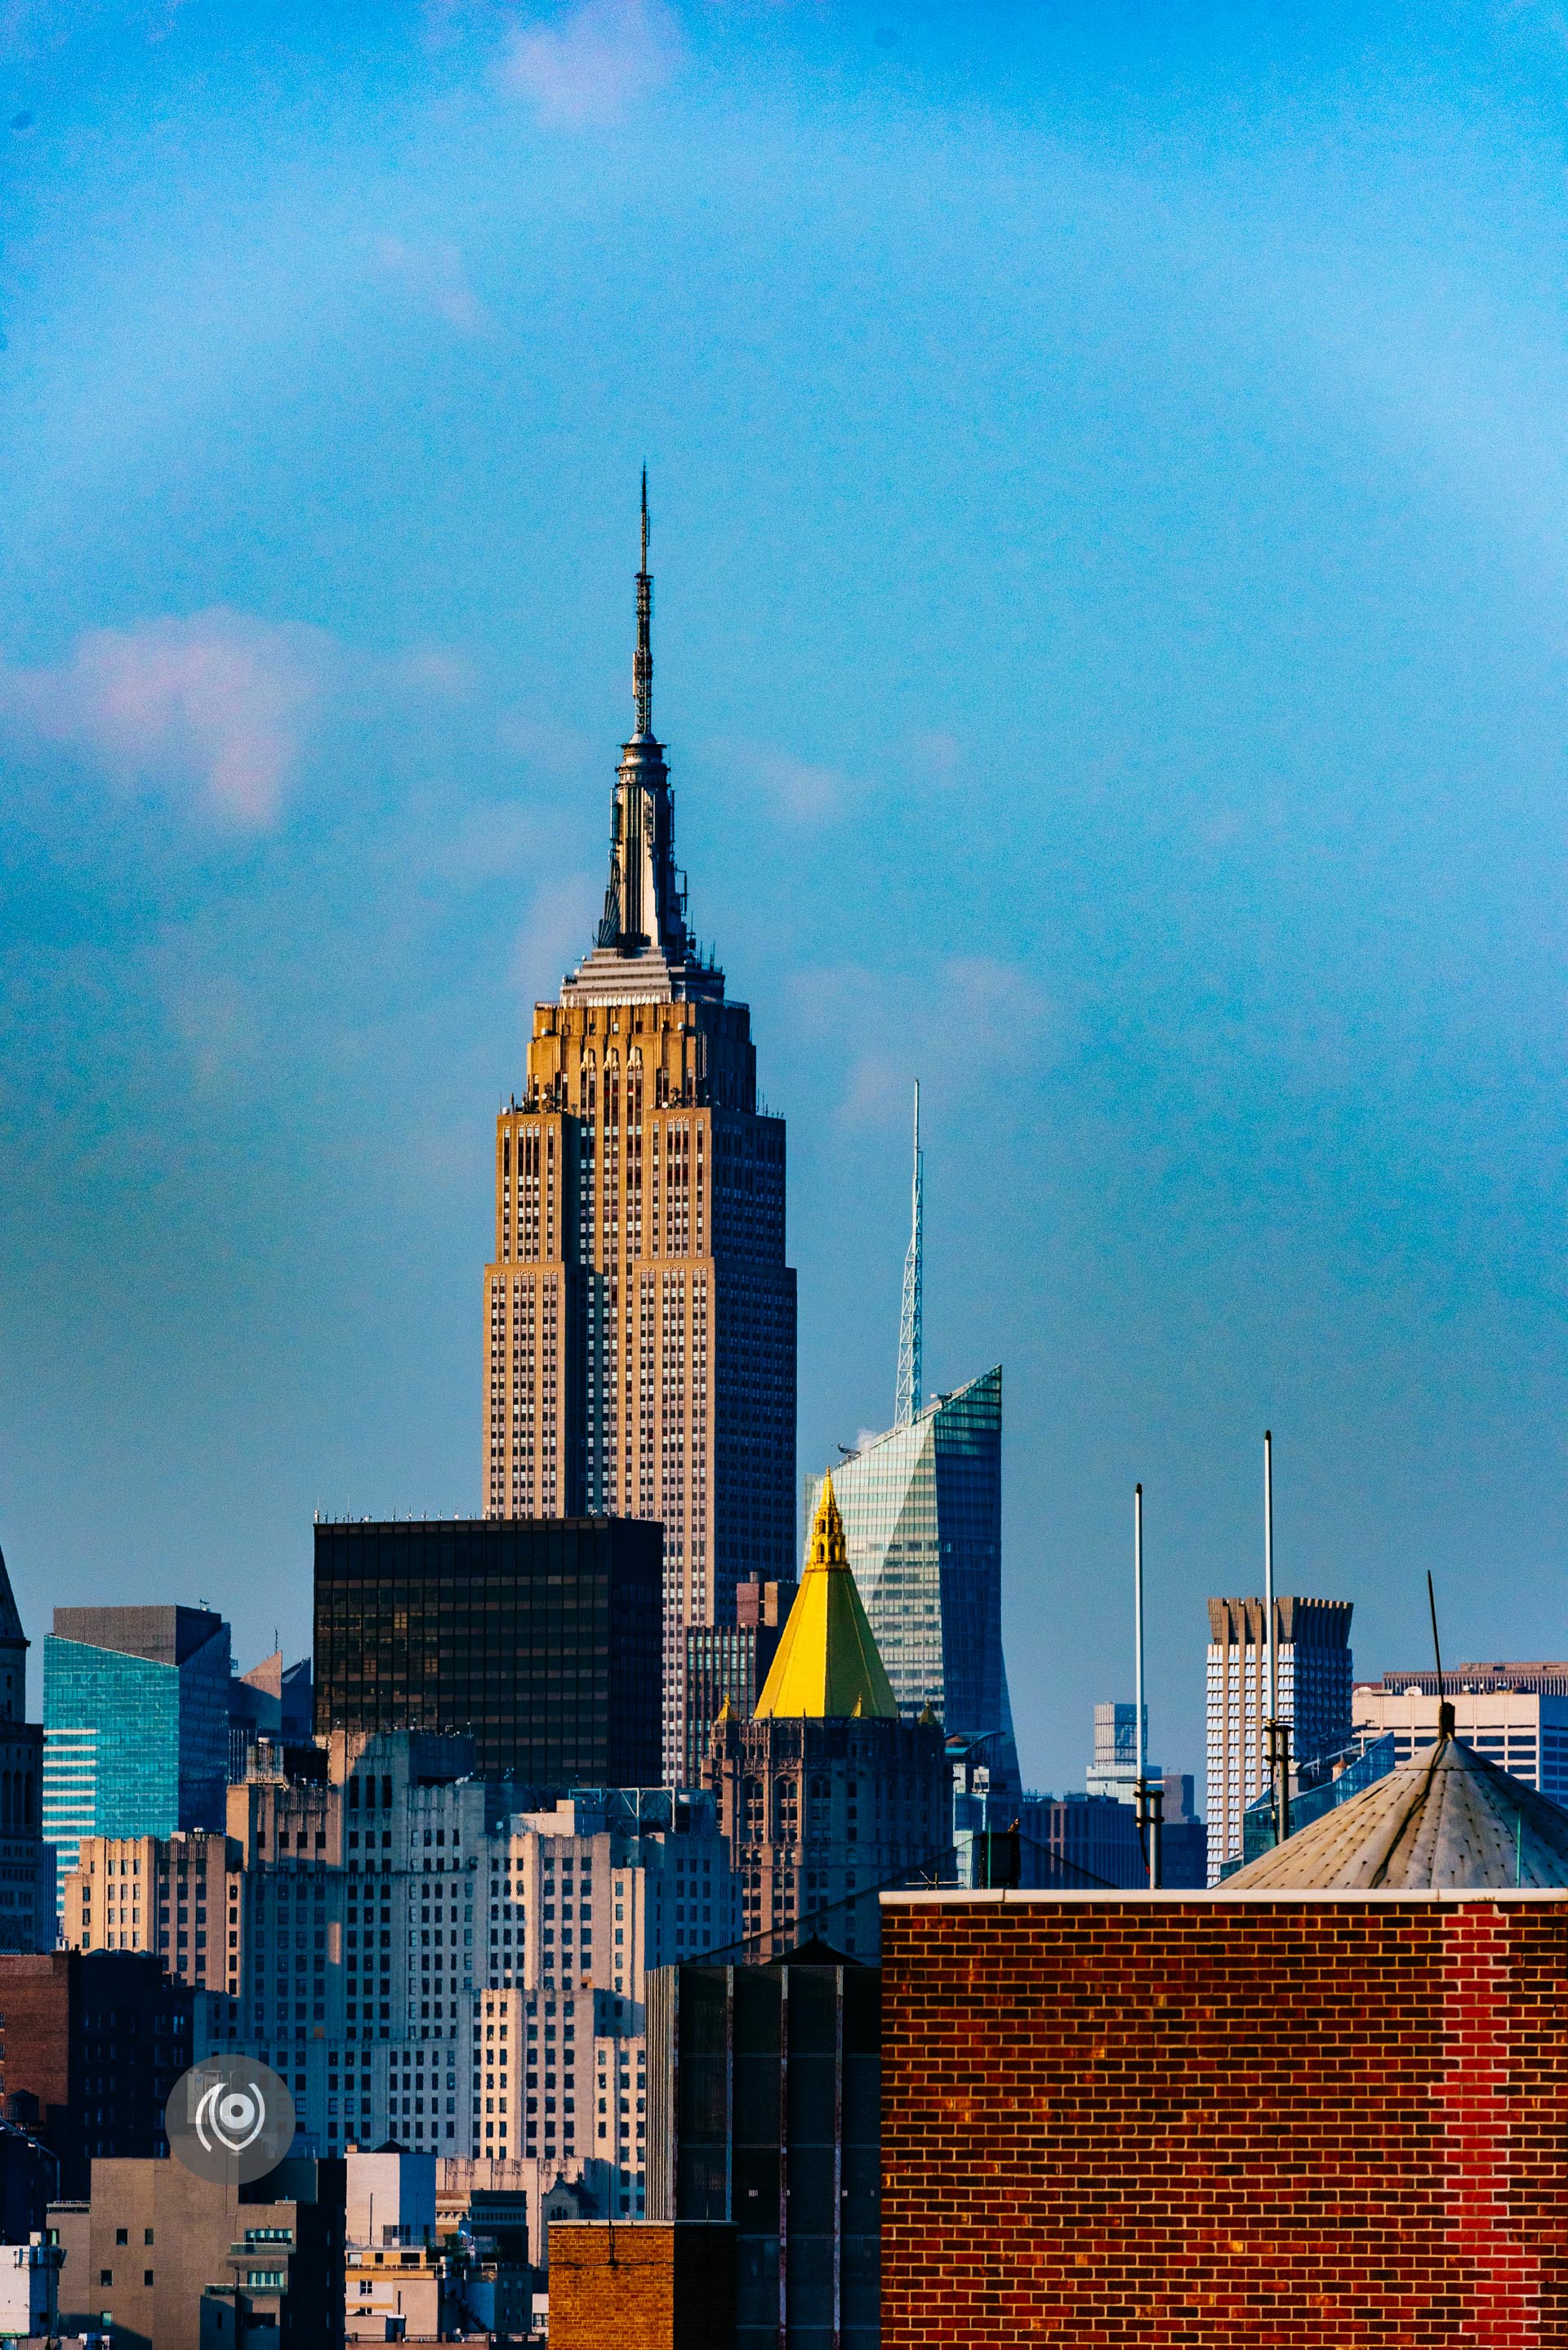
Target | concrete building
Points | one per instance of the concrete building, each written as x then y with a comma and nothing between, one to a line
136,1714
828,1793
1521,1729
273,1701
394,2268
921,1508
30,2288
730,1662
539,1640
91,2046
27,1861
181,1897
161,2260
434,1958
639,1319
1313,1653
1113,1769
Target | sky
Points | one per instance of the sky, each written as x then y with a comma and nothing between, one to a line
1109,502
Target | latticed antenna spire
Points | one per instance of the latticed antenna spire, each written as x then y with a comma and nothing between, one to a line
909,1397
642,661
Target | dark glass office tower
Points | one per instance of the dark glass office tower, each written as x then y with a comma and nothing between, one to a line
540,1638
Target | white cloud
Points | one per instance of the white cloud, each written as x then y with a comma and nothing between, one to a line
217,705
433,275
588,64
959,1024
557,934
801,791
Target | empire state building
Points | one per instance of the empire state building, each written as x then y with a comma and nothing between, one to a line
639,1350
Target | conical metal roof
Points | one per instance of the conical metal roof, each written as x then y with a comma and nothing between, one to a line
1448,1819
827,1664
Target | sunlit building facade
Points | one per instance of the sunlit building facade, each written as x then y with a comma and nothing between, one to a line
639,1319
922,1522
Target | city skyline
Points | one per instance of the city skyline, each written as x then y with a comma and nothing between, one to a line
1110,588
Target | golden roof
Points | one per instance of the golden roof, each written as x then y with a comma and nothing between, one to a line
826,1665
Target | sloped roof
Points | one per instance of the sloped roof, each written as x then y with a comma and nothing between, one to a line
10,1621
827,1664
1446,1819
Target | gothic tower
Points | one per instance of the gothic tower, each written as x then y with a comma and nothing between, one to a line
640,1355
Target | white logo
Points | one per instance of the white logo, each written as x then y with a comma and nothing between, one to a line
229,2118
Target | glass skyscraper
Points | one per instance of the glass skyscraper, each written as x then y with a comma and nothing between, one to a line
136,1723
922,1521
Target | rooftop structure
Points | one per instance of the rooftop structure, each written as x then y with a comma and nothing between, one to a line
1447,1820
828,1662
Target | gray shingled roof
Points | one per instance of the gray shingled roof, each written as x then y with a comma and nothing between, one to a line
1446,1818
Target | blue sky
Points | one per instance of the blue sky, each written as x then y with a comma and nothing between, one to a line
1109,498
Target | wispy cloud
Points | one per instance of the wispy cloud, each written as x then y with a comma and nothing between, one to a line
433,275
588,64
216,706
804,793
956,1023
557,933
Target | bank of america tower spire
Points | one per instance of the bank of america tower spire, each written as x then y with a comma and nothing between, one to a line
640,1352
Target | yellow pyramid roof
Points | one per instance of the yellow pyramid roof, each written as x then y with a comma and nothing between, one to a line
826,1665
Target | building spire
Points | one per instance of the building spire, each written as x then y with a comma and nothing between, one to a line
909,1395
642,661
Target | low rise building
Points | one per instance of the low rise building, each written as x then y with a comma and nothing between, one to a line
159,2259
30,2288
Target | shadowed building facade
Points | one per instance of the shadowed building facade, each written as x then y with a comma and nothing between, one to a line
640,1352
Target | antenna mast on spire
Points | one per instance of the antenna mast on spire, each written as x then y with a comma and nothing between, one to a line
642,663
909,1397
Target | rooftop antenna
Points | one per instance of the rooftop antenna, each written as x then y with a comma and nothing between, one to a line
1148,1801
642,660
907,1403
1445,1709
1277,1733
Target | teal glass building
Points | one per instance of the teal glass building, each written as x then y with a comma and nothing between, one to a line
136,1724
922,1521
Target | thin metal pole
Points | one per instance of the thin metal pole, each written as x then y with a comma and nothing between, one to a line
1147,1802
1273,1687
1273,1728
1137,1633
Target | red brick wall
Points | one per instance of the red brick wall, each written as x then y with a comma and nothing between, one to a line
1192,2122
35,2027
641,2284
